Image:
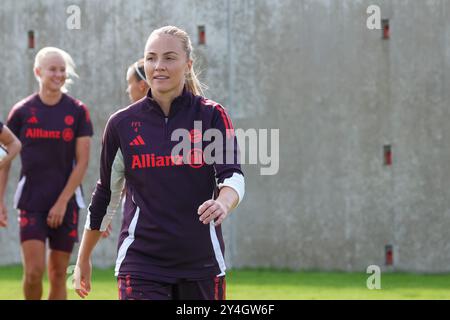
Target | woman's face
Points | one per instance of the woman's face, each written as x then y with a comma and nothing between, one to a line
166,64
137,89
52,72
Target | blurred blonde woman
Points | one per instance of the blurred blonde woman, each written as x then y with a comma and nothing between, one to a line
55,131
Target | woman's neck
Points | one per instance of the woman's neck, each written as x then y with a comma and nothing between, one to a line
165,99
50,97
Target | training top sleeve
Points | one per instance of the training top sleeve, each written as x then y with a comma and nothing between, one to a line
14,122
85,125
106,196
228,171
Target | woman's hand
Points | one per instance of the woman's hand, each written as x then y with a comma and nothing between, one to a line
213,210
108,231
3,215
56,214
217,210
82,278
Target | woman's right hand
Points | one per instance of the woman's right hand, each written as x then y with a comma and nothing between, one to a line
82,278
3,215
108,231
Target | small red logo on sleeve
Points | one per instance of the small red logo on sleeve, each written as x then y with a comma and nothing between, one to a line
68,120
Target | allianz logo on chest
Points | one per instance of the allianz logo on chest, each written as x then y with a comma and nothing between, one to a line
35,129
186,148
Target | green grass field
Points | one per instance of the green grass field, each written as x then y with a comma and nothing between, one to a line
275,285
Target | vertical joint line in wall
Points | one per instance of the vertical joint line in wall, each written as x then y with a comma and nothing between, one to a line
230,67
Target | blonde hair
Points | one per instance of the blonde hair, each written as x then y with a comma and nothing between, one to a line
193,84
70,65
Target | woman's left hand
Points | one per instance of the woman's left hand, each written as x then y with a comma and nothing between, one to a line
211,210
56,214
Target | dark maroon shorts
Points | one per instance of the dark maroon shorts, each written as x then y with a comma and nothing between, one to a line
136,289
33,226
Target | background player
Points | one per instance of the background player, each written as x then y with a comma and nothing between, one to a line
136,90
55,131
137,83
12,145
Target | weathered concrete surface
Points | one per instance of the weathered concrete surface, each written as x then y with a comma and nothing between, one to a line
336,91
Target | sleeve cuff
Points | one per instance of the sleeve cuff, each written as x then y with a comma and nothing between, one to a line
237,183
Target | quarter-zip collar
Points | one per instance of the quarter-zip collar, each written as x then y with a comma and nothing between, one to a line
180,102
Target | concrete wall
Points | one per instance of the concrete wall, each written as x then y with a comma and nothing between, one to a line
336,91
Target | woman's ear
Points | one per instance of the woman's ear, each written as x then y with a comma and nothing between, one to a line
37,72
189,66
143,85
